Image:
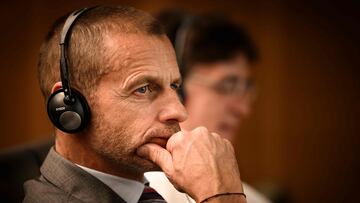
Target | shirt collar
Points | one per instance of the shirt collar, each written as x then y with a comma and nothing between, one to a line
129,190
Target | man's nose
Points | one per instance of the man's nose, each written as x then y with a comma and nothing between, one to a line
172,110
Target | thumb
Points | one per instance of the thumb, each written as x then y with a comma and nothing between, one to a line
158,155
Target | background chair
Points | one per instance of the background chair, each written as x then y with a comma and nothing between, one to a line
18,165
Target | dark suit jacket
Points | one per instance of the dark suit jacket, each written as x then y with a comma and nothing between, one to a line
63,181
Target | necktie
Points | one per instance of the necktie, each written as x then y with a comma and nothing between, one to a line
149,195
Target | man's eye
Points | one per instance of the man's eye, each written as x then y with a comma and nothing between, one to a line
143,89
175,86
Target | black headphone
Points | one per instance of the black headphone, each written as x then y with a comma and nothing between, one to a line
67,108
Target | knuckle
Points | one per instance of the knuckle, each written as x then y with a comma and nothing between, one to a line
201,130
215,135
229,144
204,130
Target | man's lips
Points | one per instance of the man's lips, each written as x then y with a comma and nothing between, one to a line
159,141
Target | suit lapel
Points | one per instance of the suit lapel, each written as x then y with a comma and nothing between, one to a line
75,181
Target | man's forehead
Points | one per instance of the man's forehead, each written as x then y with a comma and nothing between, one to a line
135,41
141,55
126,50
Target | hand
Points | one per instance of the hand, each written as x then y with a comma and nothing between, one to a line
199,163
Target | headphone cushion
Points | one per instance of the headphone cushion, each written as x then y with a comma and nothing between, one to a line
70,118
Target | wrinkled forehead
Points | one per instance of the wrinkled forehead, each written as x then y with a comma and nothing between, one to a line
131,52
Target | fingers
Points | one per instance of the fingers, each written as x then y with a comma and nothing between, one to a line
199,158
174,139
158,155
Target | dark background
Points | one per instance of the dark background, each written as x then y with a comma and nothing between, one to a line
303,133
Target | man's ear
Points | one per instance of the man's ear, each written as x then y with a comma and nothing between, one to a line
56,86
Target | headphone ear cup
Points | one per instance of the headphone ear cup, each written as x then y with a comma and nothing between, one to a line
70,118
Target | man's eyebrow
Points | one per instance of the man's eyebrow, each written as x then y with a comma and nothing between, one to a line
178,81
148,79
141,80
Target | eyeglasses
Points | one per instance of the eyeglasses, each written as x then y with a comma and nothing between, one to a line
227,86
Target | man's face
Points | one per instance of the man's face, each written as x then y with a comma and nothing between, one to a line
218,96
137,102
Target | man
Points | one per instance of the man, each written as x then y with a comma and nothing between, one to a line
216,58
123,64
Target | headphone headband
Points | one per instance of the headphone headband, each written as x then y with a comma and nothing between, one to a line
64,74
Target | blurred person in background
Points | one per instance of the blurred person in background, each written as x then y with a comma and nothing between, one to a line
215,57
